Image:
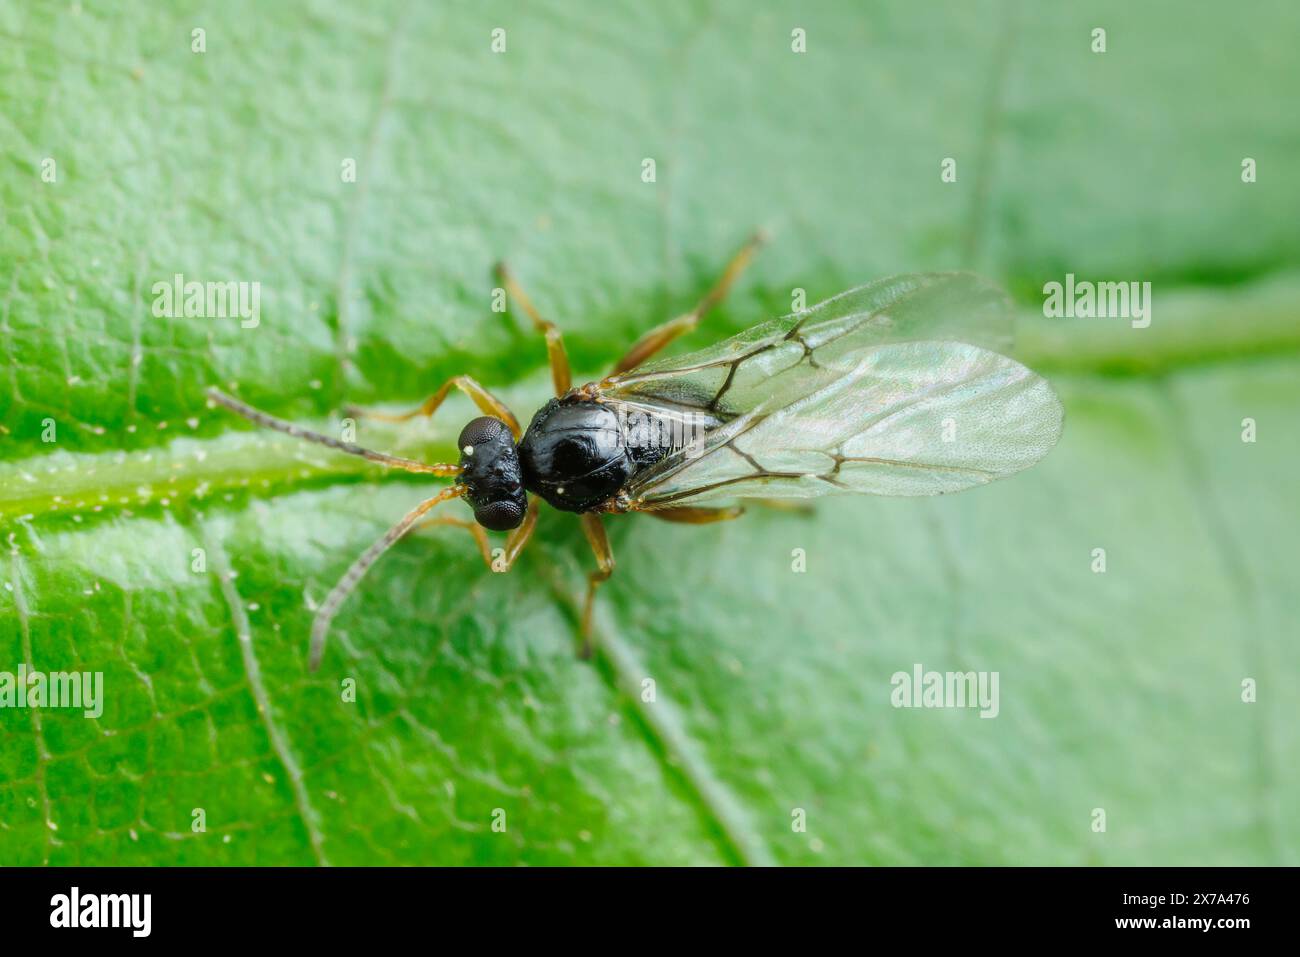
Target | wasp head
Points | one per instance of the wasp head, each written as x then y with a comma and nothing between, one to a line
491,475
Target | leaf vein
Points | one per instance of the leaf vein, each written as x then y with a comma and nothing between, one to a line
311,818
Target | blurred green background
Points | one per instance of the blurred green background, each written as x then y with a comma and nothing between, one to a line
1120,690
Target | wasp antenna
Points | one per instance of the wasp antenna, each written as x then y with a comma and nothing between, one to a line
320,627
288,428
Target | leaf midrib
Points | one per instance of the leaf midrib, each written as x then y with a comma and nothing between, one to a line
199,468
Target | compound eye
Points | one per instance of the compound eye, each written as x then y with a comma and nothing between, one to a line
481,431
499,516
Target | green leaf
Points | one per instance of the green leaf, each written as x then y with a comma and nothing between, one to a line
165,545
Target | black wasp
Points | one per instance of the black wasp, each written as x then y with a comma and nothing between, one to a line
898,387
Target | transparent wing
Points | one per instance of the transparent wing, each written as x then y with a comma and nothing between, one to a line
736,375
888,389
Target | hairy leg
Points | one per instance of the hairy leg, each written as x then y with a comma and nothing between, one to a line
488,404
560,374
662,335
515,541
594,529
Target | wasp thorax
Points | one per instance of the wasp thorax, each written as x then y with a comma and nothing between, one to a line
578,455
490,474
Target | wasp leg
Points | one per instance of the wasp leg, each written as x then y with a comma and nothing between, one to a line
594,529
559,359
518,538
488,404
662,335
515,541
694,514
475,530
